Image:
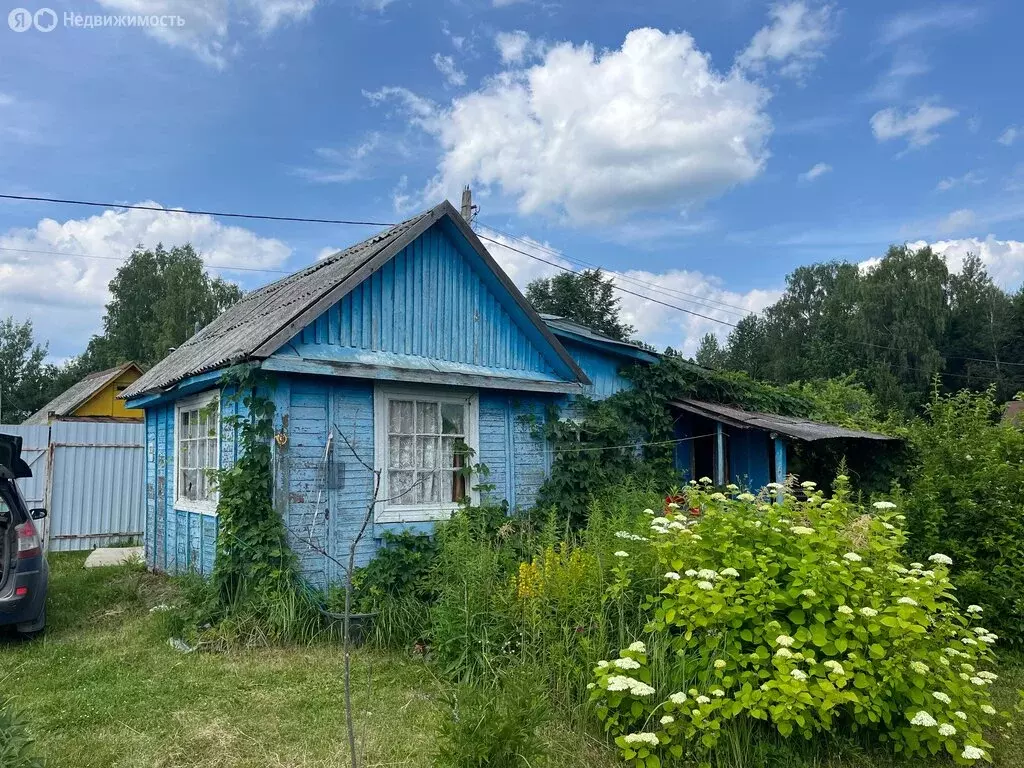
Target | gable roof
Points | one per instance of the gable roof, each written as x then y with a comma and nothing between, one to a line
267,318
68,401
799,429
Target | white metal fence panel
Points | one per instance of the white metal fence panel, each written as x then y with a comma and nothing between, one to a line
90,476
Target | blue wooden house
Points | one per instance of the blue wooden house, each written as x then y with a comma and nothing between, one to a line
404,345
389,355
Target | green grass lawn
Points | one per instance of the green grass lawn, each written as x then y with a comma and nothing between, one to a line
103,688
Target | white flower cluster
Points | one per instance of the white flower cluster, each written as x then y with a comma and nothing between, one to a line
972,753
637,646
798,674
651,739
975,609
940,559
924,719
672,576
845,610
626,663
852,557
718,693
623,683
629,536
730,572
884,505
720,664
802,530
702,700
705,585
678,698
707,573
784,653
784,640
667,720
907,601
621,553
868,612
988,709
947,730
920,667
943,697
834,667
746,497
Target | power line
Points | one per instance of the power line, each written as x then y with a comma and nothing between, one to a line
352,222
616,287
123,259
675,292
223,214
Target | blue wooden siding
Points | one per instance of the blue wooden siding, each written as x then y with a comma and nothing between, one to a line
512,446
177,540
432,302
749,459
601,368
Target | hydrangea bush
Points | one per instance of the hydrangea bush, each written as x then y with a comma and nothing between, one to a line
803,615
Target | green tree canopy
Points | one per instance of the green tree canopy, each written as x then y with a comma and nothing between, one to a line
23,372
586,297
158,299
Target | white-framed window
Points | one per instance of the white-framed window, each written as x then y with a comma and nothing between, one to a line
196,452
421,436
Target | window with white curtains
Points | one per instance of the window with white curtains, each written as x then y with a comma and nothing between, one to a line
422,439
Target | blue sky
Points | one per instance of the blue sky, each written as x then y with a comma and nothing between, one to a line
701,148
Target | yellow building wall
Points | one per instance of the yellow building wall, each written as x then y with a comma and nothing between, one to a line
105,402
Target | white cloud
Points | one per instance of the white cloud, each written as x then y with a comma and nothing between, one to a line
958,220
1010,135
323,253
971,178
794,40
506,3
458,41
916,126
599,135
513,46
704,294
452,74
64,294
1003,259
207,28
656,323
818,169
939,17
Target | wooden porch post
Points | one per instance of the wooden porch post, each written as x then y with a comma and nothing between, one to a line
719,454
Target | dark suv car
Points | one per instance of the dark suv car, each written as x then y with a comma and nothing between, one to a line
23,570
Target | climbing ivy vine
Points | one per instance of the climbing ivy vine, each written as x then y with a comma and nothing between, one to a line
629,436
253,556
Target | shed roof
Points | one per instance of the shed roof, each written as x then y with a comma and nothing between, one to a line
68,401
798,429
265,319
571,329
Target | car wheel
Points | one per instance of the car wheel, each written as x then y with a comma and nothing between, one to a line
35,628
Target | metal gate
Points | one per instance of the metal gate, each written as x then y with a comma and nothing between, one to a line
90,476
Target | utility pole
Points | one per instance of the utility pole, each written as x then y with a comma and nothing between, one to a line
468,209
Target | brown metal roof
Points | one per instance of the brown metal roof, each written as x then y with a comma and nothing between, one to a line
262,321
798,429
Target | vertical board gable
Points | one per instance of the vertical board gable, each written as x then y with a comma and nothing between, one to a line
433,300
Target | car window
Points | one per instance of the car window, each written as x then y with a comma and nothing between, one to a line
8,510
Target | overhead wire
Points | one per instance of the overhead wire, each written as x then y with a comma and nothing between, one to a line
357,222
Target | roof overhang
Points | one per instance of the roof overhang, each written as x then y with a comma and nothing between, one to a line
797,429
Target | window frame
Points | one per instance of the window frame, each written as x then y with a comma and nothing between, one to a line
387,512
194,402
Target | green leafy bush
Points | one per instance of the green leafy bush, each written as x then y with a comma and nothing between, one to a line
802,615
495,726
16,746
965,499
